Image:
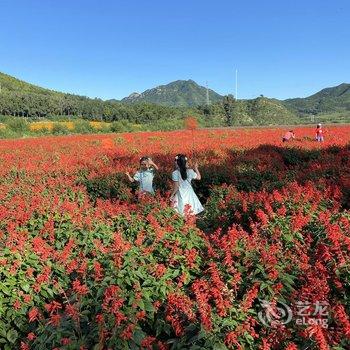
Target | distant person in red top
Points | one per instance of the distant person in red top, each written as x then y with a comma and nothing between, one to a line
319,133
289,135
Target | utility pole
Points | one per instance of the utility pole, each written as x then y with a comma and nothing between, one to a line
208,101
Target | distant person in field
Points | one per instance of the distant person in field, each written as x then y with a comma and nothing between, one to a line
144,176
319,133
288,136
183,196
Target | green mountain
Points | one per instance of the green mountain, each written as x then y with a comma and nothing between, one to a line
170,103
329,100
18,98
180,93
258,111
14,85
270,111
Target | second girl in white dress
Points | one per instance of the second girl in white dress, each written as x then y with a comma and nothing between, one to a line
183,194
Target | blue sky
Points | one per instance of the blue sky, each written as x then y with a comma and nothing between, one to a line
109,49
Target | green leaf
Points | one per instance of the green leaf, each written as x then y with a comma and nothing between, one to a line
12,336
148,306
219,346
5,290
2,330
141,305
25,287
288,237
138,336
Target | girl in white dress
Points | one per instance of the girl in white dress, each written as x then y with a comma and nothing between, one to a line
183,193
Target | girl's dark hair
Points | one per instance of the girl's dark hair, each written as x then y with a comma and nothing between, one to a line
142,159
181,161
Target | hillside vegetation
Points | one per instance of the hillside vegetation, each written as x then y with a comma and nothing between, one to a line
180,93
164,107
329,100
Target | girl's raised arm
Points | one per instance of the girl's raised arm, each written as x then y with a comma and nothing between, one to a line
150,162
129,177
196,170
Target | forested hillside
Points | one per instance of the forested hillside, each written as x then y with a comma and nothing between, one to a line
18,98
333,99
21,99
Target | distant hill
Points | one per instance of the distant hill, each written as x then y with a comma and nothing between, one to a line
180,93
170,103
329,100
258,111
19,98
270,111
11,84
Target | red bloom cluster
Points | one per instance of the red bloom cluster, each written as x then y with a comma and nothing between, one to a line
84,258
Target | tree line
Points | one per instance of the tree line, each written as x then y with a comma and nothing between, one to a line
227,112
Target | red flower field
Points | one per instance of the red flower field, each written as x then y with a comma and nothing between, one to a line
84,265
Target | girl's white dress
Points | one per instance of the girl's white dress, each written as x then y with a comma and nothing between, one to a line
185,194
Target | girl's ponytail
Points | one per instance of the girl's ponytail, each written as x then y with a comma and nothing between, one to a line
181,161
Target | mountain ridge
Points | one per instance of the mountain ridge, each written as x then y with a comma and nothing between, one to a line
330,99
19,98
178,93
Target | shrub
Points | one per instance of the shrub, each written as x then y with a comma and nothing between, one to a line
296,156
83,127
18,125
118,126
108,187
60,129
